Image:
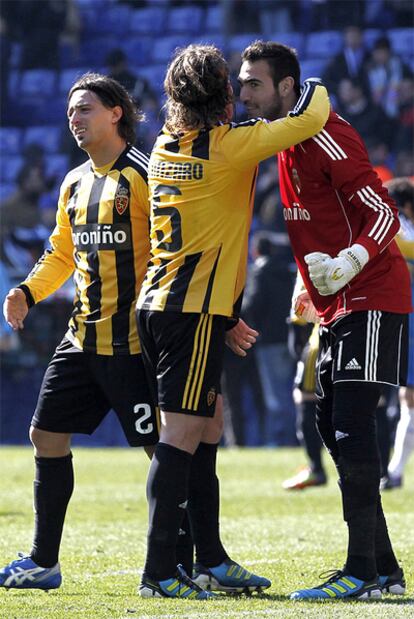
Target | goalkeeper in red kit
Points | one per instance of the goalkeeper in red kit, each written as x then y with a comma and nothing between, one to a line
342,223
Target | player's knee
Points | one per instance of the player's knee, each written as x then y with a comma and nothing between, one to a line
49,444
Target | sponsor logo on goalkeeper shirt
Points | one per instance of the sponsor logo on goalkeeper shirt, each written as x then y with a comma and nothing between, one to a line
296,212
98,237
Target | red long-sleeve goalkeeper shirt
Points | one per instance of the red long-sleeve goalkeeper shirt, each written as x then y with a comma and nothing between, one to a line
333,198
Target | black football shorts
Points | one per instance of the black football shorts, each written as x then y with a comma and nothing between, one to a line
369,346
80,388
183,356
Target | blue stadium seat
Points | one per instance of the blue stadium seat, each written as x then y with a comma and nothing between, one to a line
313,67
113,20
370,36
186,19
238,42
323,44
164,47
68,77
48,137
137,49
94,50
150,20
57,165
40,82
214,18
10,141
292,39
214,39
6,190
154,74
402,41
10,167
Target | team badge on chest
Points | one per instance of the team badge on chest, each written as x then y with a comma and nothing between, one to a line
121,200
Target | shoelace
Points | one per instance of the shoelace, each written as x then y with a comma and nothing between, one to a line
186,580
331,576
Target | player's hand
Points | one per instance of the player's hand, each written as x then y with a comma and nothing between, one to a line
15,308
304,308
329,275
241,338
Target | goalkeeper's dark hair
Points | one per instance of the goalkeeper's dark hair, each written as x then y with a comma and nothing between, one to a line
282,60
401,189
197,88
111,93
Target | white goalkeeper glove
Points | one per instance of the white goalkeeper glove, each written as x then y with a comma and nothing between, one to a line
329,275
302,305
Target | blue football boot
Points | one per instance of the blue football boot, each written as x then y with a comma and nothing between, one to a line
180,586
340,586
23,573
229,577
394,583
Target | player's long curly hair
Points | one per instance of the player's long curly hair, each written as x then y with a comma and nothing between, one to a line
197,87
282,60
111,93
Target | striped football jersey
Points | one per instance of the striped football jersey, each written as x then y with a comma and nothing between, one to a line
201,190
333,198
101,236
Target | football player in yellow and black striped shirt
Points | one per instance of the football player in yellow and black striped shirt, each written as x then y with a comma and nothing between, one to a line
201,178
101,237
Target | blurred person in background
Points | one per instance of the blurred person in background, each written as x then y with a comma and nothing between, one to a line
402,190
138,87
385,71
267,312
349,63
306,352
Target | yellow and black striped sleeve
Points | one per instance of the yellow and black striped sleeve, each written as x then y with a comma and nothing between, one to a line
56,264
261,139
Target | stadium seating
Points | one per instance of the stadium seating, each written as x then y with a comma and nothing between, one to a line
238,42
6,190
57,165
94,50
149,20
40,82
154,74
323,44
68,77
137,49
185,19
370,36
402,41
48,137
10,141
164,47
10,167
292,39
214,19
312,68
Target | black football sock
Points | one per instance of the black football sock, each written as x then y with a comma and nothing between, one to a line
53,487
167,494
311,437
204,506
384,554
185,546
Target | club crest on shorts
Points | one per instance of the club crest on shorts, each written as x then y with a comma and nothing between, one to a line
121,200
211,396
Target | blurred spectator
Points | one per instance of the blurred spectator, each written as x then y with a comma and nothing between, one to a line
240,16
403,140
22,234
41,26
328,15
385,72
379,155
404,164
366,117
275,16
266,304
349,63
117,64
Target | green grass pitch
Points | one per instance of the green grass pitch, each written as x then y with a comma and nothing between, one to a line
289,537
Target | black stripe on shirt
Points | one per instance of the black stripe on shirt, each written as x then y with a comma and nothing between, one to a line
201,146
125,272
94,290
209,289
179,287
